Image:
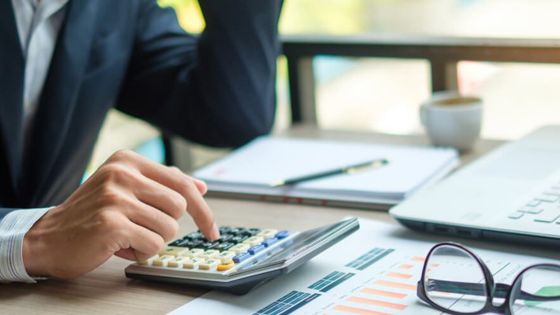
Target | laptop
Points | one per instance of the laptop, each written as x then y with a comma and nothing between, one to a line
511,194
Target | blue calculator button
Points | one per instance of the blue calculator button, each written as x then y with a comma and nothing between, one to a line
241,257
282,234
269,242
256,249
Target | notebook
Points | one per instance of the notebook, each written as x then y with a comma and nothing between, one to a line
250,171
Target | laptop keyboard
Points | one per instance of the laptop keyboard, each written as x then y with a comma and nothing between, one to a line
543,208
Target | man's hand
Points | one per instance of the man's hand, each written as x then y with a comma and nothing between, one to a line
128,207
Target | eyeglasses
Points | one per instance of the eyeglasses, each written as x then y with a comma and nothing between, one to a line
456,281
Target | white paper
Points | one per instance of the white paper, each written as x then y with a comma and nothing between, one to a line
397,273
267,160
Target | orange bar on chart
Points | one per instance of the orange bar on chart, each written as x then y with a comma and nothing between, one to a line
399,275
396,306
383,293
355,310
397,285
419,259
406,266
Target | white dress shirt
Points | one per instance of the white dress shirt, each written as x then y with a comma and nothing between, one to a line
38,24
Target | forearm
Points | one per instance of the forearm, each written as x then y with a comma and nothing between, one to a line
218,89
236,68
13,227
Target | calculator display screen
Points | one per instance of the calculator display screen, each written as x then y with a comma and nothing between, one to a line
301,243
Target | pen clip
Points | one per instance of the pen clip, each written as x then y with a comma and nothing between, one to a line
362,168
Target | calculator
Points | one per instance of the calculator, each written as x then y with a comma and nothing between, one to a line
242,259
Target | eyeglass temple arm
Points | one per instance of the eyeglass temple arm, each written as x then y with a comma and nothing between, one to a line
479,289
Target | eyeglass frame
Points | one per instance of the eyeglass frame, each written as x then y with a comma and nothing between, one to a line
490,286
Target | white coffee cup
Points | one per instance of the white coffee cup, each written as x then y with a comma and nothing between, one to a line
452,119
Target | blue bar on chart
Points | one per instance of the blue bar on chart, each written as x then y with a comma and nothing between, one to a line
288,303
330,281
369,258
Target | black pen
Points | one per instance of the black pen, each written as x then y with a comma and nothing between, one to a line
341,170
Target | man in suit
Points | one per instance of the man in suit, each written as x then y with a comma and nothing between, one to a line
63,65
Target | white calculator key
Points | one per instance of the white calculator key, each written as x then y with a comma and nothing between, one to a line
211,253
162,260
226,257
195,252
192,263
240,248
177,262
147,261
174,251
209,264
253,241
267,233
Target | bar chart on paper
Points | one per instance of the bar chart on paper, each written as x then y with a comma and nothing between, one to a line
353,277
383,292
389,291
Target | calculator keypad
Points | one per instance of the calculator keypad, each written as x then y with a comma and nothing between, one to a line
195,252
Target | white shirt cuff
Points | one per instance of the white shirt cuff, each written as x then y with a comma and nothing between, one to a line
13,228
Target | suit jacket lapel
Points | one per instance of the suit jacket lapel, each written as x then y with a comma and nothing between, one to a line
58,101
11,94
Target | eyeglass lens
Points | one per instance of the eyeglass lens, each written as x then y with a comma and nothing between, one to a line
537,291
454,280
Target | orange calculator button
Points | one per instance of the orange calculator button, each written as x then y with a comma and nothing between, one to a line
225,267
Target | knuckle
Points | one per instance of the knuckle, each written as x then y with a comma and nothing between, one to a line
110,196
188,185
115,172
122,155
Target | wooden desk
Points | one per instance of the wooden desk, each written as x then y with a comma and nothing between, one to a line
107,291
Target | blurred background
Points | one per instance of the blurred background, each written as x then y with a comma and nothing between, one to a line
383,95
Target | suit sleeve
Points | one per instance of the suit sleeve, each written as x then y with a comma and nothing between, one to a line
217,89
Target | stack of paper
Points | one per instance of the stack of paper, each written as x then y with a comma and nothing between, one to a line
251,171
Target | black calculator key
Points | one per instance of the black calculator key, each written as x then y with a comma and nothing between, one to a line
224,246
226,237
208,245
175,243
195,236
249,232
239,239
181,243
225,229
194,244
254,231
235,231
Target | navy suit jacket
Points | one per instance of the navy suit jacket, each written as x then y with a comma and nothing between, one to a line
216,89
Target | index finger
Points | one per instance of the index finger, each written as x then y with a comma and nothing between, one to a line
201,213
